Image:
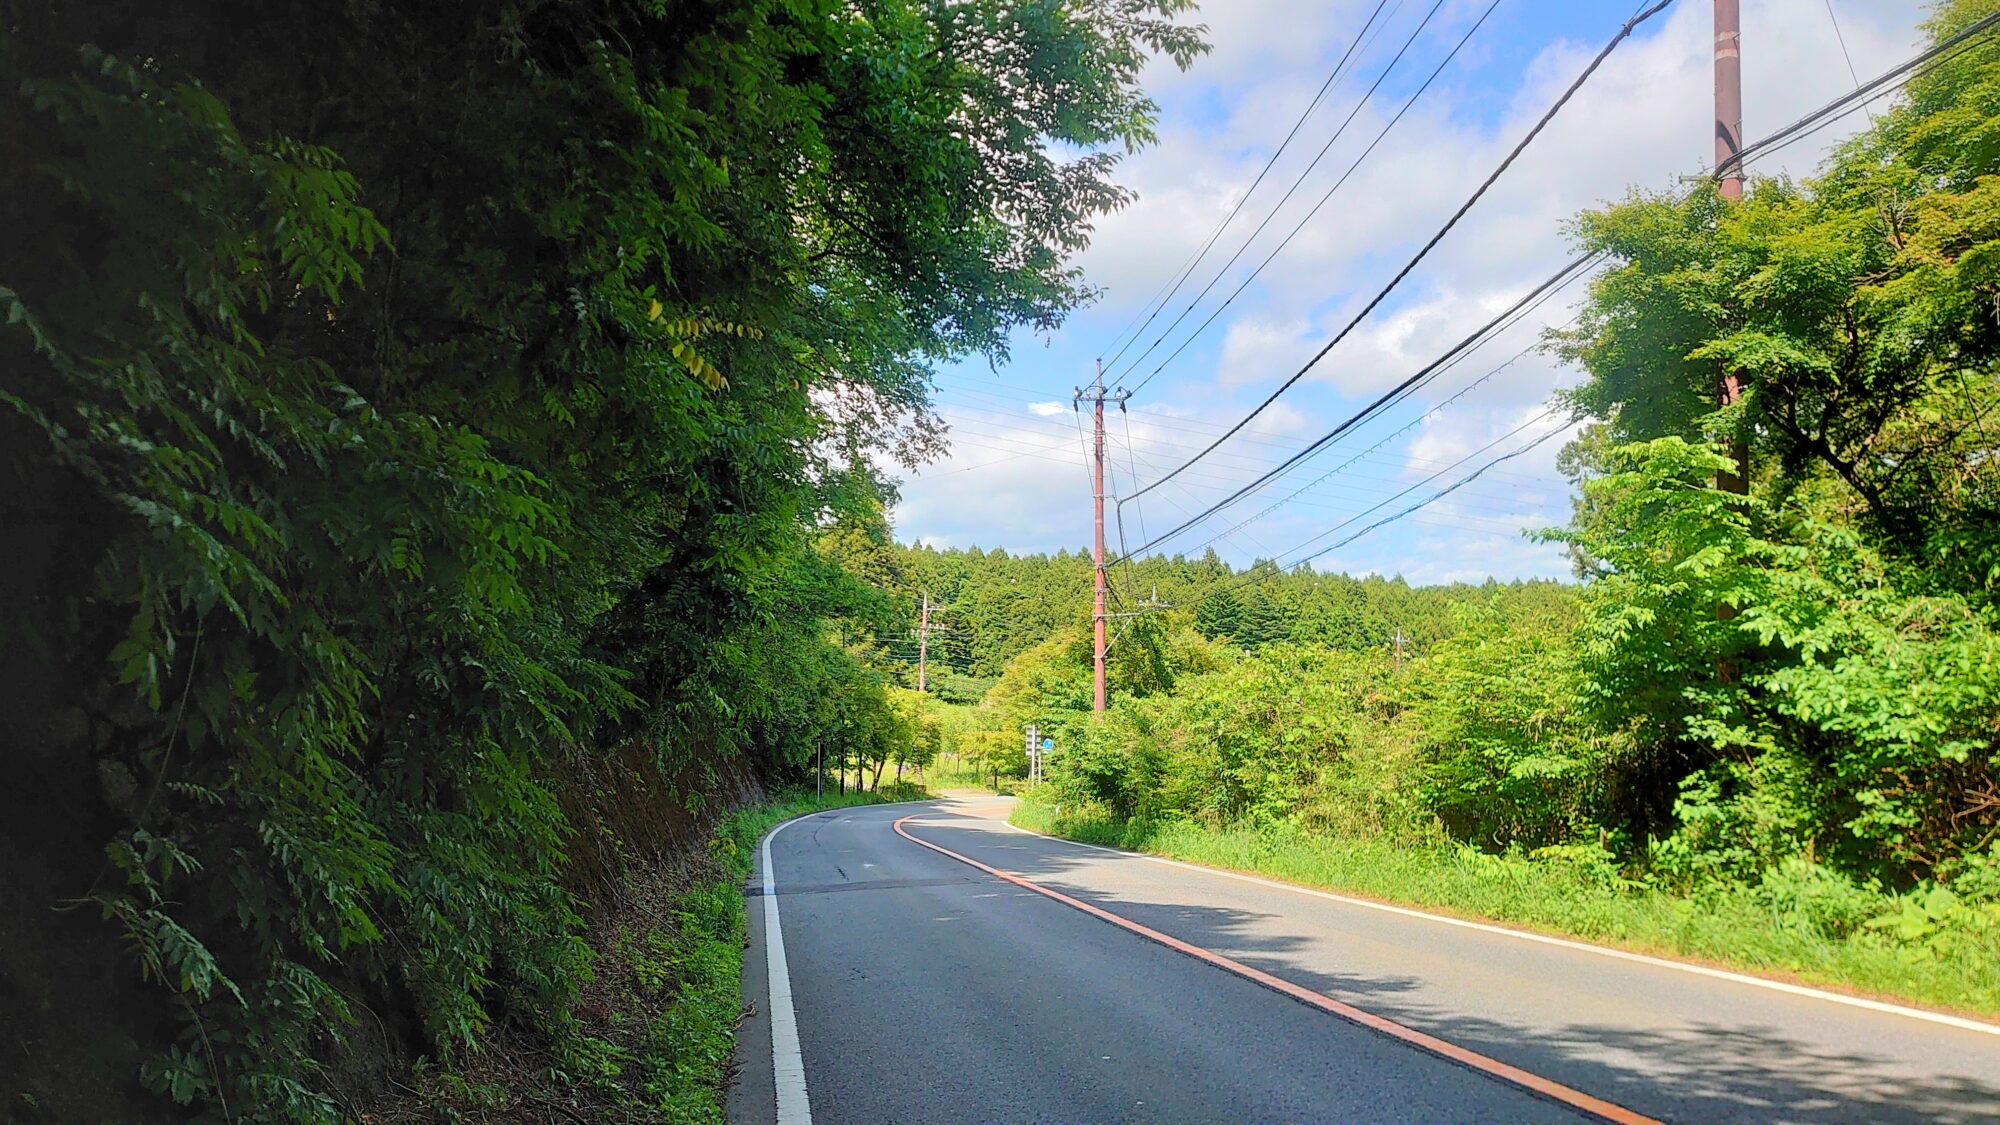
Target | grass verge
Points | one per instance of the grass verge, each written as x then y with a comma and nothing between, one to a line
650,1035
1794,926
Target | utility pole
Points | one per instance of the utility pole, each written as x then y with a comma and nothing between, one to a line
1729,171
1399,648
1729,97
923,642
1097,395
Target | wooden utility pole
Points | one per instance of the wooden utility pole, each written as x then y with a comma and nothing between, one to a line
923,642
1729,176
1729,173
1097,395
1729,97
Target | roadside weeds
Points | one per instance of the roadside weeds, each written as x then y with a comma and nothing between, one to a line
1954,969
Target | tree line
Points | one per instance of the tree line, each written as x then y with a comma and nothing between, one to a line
989,606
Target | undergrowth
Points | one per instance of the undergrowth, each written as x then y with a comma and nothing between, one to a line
651,1034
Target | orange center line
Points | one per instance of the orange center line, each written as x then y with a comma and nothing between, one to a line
1527,1080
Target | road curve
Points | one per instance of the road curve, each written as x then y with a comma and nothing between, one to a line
926,989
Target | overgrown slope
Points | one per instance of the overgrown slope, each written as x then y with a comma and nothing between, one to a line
420,426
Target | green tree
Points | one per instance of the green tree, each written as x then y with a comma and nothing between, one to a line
1220,615
1768,650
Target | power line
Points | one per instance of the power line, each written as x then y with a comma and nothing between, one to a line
1252,575
1954,45
1010,434
1300,180
1876,90
1004,409
1159,419
1013,434
1455,486
1168,294
1875,87
1206,515
1797,130
1052,454
999,422
1388,398
1842,40
1118,514
1547,116
1386,439
1806,126
1461,393
1314,210
1131,464
1860,97
1083,442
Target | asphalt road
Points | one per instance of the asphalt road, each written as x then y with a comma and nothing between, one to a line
923,989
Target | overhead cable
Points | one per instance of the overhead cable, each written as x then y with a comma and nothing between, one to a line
1387,398
1542,123
1300,180
1158,302
1818,118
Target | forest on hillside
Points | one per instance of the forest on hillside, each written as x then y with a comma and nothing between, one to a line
988,606
1776,681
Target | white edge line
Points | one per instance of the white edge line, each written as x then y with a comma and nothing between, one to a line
1959,1022
788,1063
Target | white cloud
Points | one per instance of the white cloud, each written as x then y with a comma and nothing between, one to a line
1255,350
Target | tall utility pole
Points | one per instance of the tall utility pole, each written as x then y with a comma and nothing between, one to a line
1097,395
1729,170
1399,648
1729,97
1729,173
923,642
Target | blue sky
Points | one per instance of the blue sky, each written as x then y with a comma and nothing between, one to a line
1016,476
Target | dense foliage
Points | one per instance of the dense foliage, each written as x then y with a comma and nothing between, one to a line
407,405
1011,633
1815,666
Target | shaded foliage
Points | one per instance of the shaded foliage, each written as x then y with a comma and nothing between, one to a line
402,401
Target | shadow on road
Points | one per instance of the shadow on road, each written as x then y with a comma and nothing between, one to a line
1706,1071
